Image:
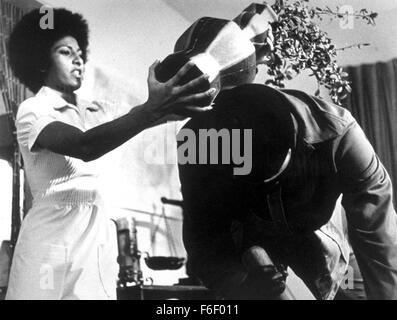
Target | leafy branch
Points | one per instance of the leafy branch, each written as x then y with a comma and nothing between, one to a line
300,45
358,45
362,14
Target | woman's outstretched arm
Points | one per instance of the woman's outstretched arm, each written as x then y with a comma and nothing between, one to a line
165,99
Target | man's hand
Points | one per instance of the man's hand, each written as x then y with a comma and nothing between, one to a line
263,280
169,98
261,283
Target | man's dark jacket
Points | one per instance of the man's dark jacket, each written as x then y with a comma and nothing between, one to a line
338,160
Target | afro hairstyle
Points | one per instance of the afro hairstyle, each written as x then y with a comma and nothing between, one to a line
30,45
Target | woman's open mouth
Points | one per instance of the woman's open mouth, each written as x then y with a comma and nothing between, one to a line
77,73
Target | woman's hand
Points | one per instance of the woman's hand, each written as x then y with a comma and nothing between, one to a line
170,98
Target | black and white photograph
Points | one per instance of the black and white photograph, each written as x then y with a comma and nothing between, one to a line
198,150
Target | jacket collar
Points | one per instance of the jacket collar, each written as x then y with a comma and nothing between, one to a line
318,120
58,103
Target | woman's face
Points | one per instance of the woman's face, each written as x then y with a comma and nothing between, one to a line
67,66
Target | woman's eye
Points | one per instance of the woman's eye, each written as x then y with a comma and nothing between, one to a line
65,52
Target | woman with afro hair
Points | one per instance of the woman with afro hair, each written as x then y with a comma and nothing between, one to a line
66,247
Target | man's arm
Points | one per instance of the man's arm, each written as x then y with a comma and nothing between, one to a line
371,217
209,201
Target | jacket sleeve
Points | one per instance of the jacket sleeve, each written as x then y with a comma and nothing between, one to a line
207,234
372,221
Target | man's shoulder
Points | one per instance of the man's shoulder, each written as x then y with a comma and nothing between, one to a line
321,119
330,109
